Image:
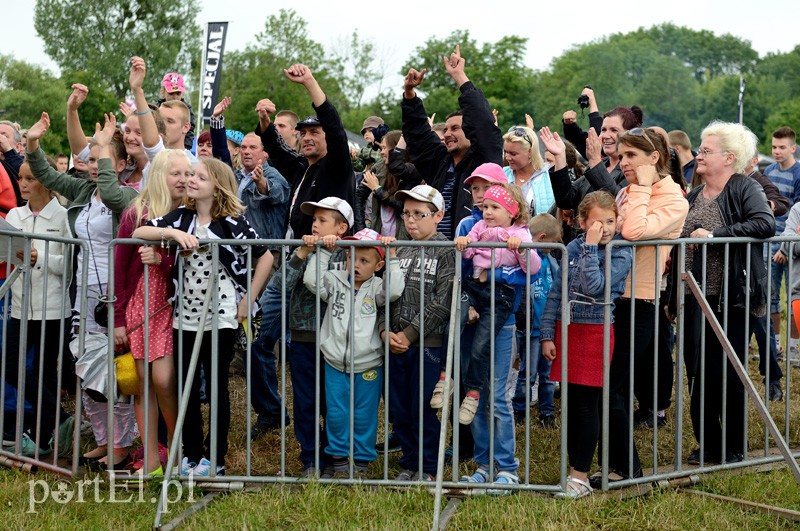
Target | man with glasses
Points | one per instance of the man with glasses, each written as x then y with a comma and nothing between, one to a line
470,139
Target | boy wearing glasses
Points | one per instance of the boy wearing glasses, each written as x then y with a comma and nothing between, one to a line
417,329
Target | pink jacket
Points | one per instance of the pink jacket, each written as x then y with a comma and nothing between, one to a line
482,257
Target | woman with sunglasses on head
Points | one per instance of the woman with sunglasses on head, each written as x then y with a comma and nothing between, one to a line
603,171
527,170
651,207
93,214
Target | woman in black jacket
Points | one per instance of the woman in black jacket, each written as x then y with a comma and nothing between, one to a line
727,204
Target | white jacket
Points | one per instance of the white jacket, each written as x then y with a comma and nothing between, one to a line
51,221
335,289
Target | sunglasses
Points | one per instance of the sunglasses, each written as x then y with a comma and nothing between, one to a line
186,253
520,132
641,132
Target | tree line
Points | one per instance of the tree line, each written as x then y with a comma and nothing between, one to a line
682,78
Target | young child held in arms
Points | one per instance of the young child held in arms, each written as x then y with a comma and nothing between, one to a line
350,342
544,229
597,214
504,220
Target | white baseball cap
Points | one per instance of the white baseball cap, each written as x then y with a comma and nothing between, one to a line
331,203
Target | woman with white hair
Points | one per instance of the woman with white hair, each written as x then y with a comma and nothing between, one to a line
727,204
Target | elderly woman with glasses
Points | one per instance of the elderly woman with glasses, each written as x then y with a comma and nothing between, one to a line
651,207
527,170
727,204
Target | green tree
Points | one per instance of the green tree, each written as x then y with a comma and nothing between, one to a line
26,91
97,39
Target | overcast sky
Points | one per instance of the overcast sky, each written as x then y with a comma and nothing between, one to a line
397,27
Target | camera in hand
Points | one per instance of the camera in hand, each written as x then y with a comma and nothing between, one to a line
583,99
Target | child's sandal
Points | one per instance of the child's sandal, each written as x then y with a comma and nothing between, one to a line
575,488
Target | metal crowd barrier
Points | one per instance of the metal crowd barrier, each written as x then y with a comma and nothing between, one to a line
26,417
658,463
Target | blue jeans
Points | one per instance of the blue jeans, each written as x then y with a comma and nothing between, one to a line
546,386
264,378
502,417
779,271
303,367
367,388
404,405
766,353
480,298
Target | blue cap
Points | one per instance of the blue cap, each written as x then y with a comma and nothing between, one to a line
237,137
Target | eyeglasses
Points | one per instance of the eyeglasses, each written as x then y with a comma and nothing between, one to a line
416,216
639,131
706,152
519,131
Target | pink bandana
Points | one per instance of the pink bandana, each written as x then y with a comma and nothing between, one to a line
500,195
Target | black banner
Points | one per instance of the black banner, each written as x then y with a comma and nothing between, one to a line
212,67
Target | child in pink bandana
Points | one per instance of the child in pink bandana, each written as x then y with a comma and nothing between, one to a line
504,221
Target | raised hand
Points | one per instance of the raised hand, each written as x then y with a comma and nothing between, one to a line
412,81
265,108
222,106
258,178
569,117
594,148
529,121
138,72
552,142
78,96
103,135
299,73
455,62
371,180
38,129
125,109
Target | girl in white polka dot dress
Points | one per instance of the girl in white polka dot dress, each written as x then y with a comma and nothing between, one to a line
212,212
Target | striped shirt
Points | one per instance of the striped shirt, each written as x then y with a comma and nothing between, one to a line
788,183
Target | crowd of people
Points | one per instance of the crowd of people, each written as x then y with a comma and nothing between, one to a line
463,181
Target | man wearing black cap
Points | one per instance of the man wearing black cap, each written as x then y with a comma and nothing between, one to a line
323,167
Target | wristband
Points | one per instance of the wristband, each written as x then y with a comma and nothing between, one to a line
137,113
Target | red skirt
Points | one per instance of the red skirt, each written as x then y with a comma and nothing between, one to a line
159,325
585,365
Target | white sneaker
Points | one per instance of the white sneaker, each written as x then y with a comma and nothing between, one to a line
203,469
185,468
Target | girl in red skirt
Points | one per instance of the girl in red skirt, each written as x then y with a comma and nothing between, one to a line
164,191
597,215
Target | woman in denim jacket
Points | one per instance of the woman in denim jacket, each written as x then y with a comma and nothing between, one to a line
597,214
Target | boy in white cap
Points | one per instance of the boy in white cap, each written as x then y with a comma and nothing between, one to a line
332,217
410,337
350,343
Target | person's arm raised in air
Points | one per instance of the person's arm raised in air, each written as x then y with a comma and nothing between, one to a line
77,140
478,121
219,140
147,123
